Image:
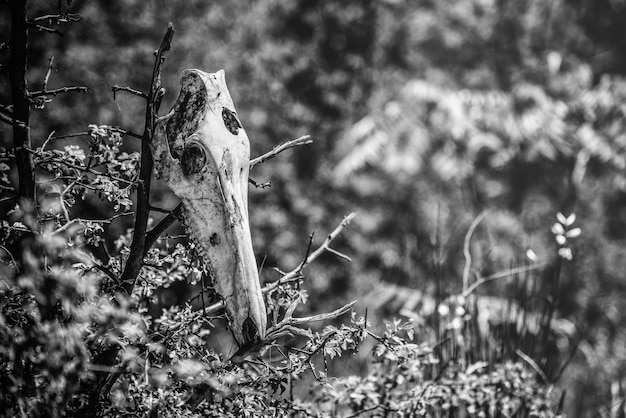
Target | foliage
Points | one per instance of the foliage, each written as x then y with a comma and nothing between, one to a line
425,114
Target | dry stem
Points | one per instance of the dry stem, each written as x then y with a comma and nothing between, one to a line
297,272
303,140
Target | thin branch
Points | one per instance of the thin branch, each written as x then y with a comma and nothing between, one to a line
303,140
297,272
466,248
153,235
130,90
113,129
94,221
59,18
54,92
48,139
42,28
259,185
6,119
322,317
504,274
532,364
308,251
160,210
44,85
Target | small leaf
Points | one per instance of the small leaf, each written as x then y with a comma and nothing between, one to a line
557,229
566,253
573,233
561,218
561,239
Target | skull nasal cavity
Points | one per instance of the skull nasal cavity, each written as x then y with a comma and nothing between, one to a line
193,159
230,121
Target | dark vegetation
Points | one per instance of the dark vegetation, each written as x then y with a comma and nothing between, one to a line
457,130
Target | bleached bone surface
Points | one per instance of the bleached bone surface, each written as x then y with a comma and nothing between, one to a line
202,152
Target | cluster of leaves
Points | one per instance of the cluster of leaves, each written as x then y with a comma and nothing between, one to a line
52,311
58,318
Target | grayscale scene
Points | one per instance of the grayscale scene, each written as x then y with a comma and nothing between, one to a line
340,208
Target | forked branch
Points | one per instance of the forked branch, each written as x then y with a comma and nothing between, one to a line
138,245
297,272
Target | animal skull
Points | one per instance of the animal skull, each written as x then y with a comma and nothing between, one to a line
202,152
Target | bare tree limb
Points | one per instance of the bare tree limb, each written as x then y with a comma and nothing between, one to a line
54,92
323,316
42,28
303,140
259,185
44,86
130,90
504,274
122,132
297,272
138,245
466,248
155,233
58,18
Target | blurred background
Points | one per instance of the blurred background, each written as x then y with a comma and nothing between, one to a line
425,114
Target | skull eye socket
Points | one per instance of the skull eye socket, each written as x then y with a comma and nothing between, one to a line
230,121
193,159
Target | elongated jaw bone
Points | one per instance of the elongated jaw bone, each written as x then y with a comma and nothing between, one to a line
202,152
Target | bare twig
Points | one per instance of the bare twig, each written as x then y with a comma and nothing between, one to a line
532,364
54,92
44,85
504,274
85,221
303,140
322,317
123,132
308,251
59,18
155,233
130,90
297,272
259,185
466,248
42,28
6,119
